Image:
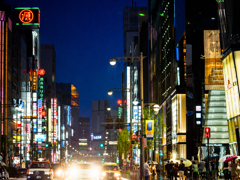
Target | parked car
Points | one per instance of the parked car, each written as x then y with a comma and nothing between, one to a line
21,172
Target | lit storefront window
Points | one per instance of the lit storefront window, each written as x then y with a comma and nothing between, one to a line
231,87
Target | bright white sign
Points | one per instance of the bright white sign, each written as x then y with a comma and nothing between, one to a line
128,94
97,137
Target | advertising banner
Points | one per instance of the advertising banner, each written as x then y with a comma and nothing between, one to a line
149,129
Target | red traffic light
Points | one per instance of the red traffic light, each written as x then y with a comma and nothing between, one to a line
207,132
119,102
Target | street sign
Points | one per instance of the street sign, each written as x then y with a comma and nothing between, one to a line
134,136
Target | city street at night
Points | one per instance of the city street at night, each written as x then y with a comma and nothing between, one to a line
119,89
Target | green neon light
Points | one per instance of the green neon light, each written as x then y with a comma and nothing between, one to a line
141,14
17,23
219,1
31,24
27,8
161,14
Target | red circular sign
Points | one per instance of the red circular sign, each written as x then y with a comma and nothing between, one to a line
41,72
26,16
134,136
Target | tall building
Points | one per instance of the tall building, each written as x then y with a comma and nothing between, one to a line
9,80
229,20
84,134
101,135
177,67
70,100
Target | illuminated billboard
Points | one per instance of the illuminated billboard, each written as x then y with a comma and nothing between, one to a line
231,86
128,94
213,65
27,16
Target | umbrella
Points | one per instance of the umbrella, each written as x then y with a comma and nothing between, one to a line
186,162
211,156
230,158
222,159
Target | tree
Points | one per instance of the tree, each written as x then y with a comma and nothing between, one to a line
149,114
123,143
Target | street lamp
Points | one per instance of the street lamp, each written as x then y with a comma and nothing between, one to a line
109,108
110,92
125,59
156,108
113,61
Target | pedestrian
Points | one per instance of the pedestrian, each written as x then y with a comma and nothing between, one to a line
146,171
238,169
167,167
225,171
195,170
171,170
175,170
181,169
233,170
214,165
202,169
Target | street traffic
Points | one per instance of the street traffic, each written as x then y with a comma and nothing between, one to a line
43,169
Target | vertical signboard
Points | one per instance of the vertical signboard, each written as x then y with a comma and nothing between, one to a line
59,122
55,119
128,94
39,115
29,114
149,129
49,125
35,113
52,120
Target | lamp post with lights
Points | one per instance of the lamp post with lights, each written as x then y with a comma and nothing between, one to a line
140,58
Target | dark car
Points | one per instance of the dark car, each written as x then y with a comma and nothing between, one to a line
21,172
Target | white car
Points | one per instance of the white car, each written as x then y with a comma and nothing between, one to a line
40,170
83,171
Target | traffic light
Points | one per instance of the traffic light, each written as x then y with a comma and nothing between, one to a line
101,145
207,132
70,155
99,154
46,145
119,123
103,160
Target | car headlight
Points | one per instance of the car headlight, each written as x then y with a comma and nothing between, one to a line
116,174
103,174
59,172
46,172
30,172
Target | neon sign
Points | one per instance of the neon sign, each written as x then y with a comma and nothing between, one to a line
26,16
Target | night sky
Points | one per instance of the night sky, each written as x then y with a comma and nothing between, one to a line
86,35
